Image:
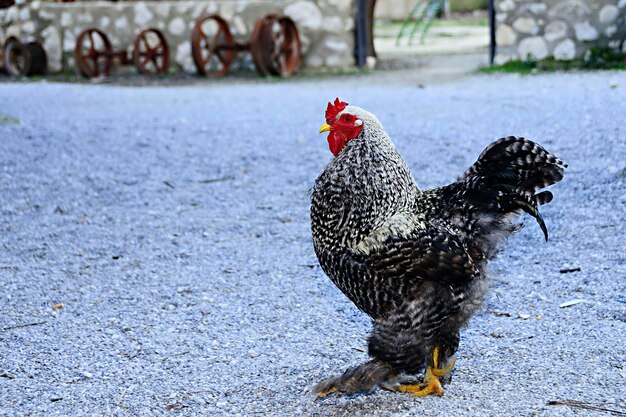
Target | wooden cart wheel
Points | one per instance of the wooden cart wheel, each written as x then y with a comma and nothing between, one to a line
93,53
151,53
275,46
212,46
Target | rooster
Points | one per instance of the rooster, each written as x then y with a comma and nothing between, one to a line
414,260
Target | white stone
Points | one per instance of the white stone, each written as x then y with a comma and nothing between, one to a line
69,41
501,17
537,8
506,5
555,30
28,28
20,2
66,19
197,11
24,14
227,10
505,36
565,51
333,24
534,46
526,25
341,5
184,58
571,10
610,31
241,6
105,21
84,18
12,14
183,7
614,44
305,14
211,8
239,26
608,14
142,14
45,14
52,44
176,26
336,45
35,5
314,61
339,61
14,31
585,32
305,43
349,24
501,59
121,23
162,9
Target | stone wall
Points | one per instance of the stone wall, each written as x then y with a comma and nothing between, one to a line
563,29
326,26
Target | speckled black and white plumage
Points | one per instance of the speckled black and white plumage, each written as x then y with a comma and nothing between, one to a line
415,260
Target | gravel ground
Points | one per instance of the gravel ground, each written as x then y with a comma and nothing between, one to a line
172,225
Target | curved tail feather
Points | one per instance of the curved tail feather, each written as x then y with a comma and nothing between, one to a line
502,183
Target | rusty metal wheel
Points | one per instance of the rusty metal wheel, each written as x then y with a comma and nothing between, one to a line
38,59
151,53
16,57
212,46
24,59
93,53
275,46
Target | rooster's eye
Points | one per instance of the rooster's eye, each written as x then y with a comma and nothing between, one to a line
346,118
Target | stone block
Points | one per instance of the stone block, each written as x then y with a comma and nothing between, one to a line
526,25
305,14
534,47
555,30
565,50
505,35
176,26
142,15
608,14
537,8
585,31
52,45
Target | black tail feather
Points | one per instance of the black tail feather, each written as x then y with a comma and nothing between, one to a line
359,379
517,168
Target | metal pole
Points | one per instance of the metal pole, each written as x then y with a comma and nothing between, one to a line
361,33
492,30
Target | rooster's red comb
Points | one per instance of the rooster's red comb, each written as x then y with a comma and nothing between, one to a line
334,109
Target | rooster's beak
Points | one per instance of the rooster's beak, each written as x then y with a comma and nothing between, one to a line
325,128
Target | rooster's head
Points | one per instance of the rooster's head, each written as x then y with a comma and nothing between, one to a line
344,124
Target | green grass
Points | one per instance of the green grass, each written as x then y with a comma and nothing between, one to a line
464,6
7,119
595,59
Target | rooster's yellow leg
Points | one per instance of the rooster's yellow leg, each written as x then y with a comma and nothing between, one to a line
431,384
327,392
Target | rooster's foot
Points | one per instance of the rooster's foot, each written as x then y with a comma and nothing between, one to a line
431,384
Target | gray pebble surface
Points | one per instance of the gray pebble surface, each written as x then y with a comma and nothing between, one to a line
172,225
